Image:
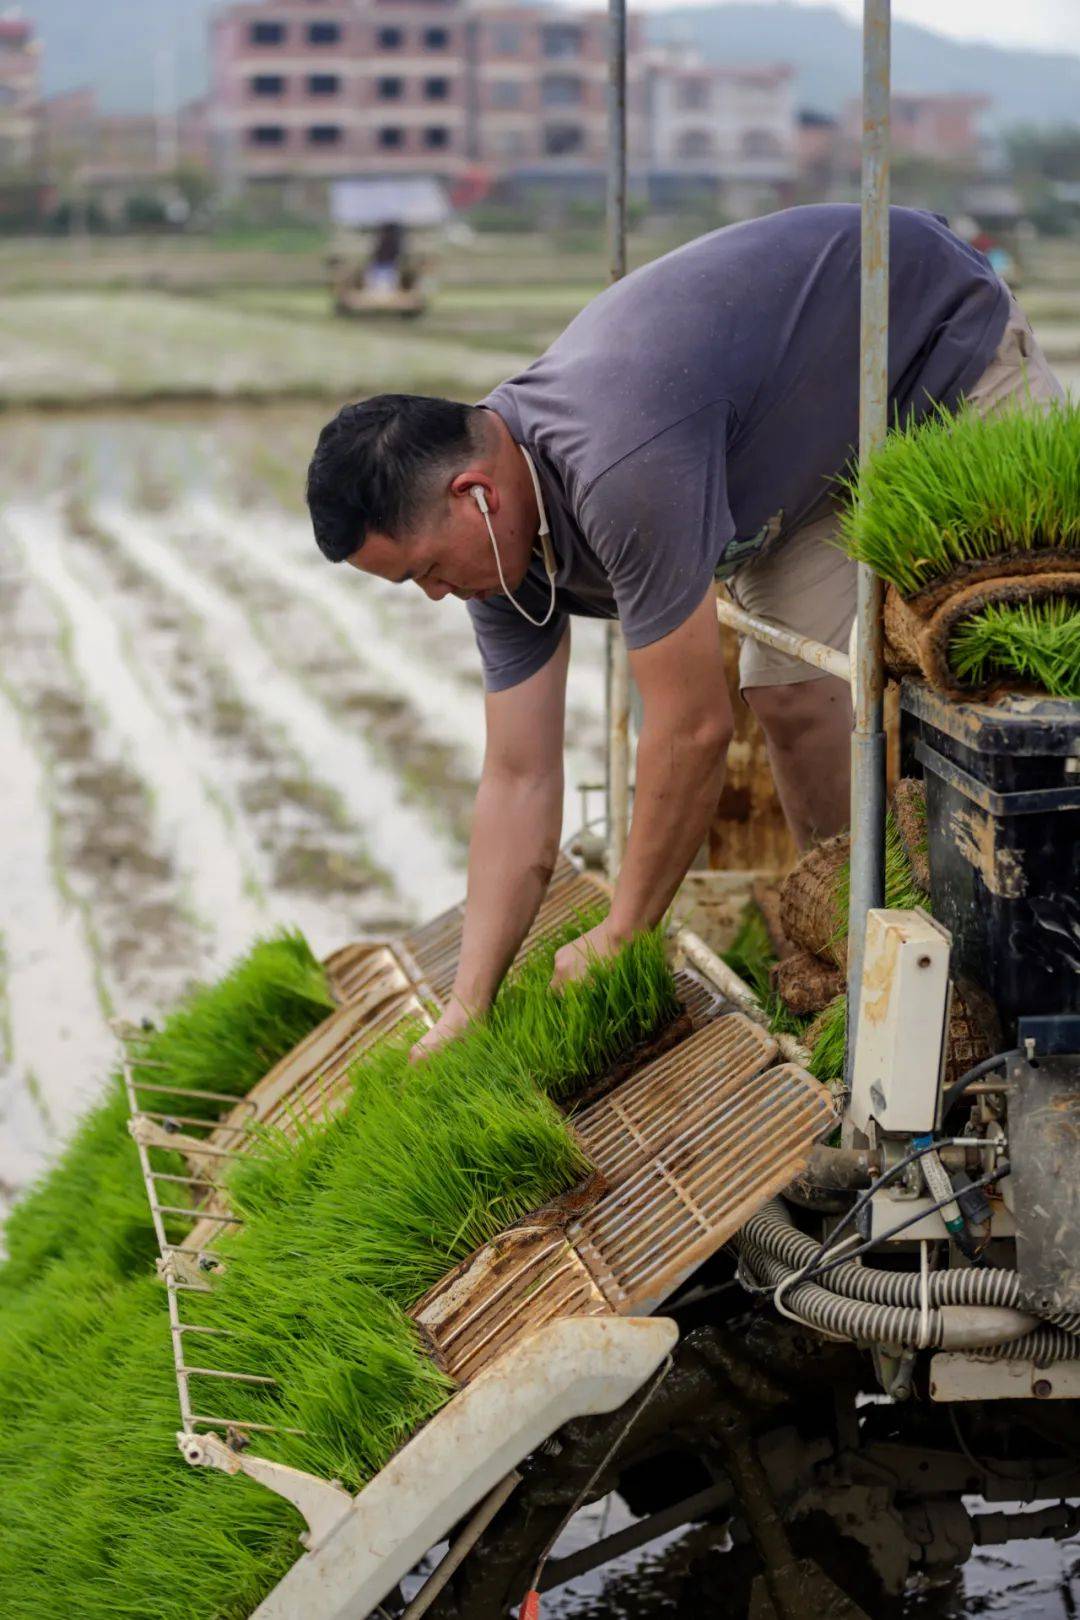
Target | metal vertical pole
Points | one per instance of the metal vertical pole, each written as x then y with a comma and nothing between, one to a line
618,665
868,735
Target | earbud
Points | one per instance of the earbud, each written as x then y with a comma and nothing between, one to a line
477,493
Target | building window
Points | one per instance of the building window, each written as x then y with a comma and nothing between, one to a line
760,143
267,135
390,138
692,95
436,89
695,143
436,39
323,84
390,39
323,33
562,139
390,89
268,84
506,93
267,33
437,137
561,39
505,39
324,135
561,90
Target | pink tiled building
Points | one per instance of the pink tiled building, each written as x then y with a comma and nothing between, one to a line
309,91
336,88
943,127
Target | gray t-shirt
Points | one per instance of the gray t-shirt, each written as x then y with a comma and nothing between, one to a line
708,402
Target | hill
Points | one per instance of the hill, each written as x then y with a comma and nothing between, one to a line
120,46
1036,87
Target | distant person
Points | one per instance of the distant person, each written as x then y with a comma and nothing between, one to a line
385,269
690,424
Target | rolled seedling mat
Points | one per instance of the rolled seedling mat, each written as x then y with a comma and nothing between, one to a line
919,628
909,808
806,983
808,901
974,1030
765,893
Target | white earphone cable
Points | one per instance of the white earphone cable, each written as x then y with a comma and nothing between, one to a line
545,544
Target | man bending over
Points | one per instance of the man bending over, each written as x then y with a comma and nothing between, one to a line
690,424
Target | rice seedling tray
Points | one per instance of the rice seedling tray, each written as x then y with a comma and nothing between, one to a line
552,1318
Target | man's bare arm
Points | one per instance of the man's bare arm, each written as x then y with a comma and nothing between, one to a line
515,837
681,754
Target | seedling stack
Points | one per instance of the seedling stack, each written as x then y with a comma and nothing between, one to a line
975,525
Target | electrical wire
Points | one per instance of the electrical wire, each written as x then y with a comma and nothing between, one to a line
952,1095
809,1272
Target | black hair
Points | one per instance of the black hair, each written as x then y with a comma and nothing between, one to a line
374,462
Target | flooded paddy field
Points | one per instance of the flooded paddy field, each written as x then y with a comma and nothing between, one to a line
207,731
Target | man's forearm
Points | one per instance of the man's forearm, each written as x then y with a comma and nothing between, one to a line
512,852
679,778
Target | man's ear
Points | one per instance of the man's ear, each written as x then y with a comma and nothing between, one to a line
473,478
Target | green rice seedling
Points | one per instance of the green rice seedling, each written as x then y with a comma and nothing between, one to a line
902,893
1038,641
958,489
100,1516
222,1037
562,1041
89,1207
226,1036
751,956
828,1037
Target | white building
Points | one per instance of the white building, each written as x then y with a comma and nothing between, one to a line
732,126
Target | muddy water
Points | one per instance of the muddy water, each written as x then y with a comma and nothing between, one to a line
206,732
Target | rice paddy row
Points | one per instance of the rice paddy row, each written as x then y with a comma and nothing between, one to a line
304,845
431,769
144,938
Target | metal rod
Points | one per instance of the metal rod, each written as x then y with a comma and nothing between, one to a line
187,1181
239,1378
162,1242
199,1215
618,664
464,1544
190,1091
689,1511
210,1125
616,170
241,1423
735,989
868,735
789,641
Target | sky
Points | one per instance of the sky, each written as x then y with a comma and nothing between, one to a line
1038,24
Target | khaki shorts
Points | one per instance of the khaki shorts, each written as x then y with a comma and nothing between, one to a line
805,582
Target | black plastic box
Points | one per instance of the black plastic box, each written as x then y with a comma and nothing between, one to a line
1003,818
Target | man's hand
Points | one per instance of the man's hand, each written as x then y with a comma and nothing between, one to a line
455,1020
575,959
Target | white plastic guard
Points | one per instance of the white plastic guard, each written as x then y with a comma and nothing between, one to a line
567,1369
